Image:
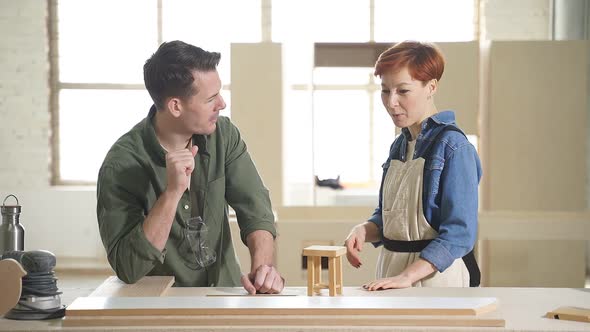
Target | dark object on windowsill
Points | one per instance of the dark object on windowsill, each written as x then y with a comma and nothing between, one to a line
330,183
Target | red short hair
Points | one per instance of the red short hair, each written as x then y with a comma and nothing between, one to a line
424,60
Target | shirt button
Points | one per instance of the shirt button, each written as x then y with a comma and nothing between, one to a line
186,206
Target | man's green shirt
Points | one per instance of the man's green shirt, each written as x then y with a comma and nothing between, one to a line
133,176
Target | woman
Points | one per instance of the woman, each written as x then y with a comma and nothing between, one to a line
427,214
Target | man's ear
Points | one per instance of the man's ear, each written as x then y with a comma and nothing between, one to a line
174,107
433,86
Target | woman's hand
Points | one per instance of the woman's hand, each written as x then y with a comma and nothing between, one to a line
399,281
414,272
354,244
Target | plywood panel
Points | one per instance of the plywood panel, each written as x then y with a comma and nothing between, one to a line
146,286
297,305
538,106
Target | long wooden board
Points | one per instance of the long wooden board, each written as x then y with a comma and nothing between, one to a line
248,320
295,305
146,286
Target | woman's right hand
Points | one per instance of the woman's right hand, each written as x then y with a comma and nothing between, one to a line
354,244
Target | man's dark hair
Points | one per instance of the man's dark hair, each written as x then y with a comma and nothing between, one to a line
168,72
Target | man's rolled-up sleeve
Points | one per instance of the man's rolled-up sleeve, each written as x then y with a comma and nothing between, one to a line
120,222
245,192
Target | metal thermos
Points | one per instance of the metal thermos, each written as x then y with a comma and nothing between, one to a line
12,233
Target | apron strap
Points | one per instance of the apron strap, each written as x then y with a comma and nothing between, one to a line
419,245
405,246
426,153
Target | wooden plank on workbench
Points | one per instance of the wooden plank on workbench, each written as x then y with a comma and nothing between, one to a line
290,305
146,287
249,320
570,313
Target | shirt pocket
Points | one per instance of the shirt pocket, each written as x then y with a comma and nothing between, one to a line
434,167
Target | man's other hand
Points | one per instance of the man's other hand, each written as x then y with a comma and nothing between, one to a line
179,166
265,279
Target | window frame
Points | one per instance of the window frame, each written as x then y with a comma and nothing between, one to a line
364,55
56,86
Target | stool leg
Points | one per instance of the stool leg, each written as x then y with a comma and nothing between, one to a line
310,275
317,277
339,275
332,273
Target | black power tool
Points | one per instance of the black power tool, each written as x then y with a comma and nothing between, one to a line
40,298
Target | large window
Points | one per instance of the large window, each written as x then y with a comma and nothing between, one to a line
336,123
338,127
98,52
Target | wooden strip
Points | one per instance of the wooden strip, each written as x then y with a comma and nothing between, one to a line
332,275
283,321
570,313
339,275
310,275
317,287
317,272
289,305
145,287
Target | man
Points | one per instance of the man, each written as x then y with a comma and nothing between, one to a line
181,162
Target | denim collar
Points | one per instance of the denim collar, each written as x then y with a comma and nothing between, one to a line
427,131
440,118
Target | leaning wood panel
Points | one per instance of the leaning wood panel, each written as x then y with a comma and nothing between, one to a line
297,305
537,128
146,286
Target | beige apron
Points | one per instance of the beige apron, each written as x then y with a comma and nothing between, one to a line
403,220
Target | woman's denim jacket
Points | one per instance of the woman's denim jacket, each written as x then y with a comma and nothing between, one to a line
451,176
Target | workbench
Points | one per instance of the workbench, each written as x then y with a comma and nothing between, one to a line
521,308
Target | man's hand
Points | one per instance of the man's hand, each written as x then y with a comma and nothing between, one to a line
157,224
179,166
265,279
354,244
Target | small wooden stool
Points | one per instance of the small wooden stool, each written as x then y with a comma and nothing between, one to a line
314,268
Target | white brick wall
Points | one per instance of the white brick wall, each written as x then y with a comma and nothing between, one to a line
56,219
24,95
